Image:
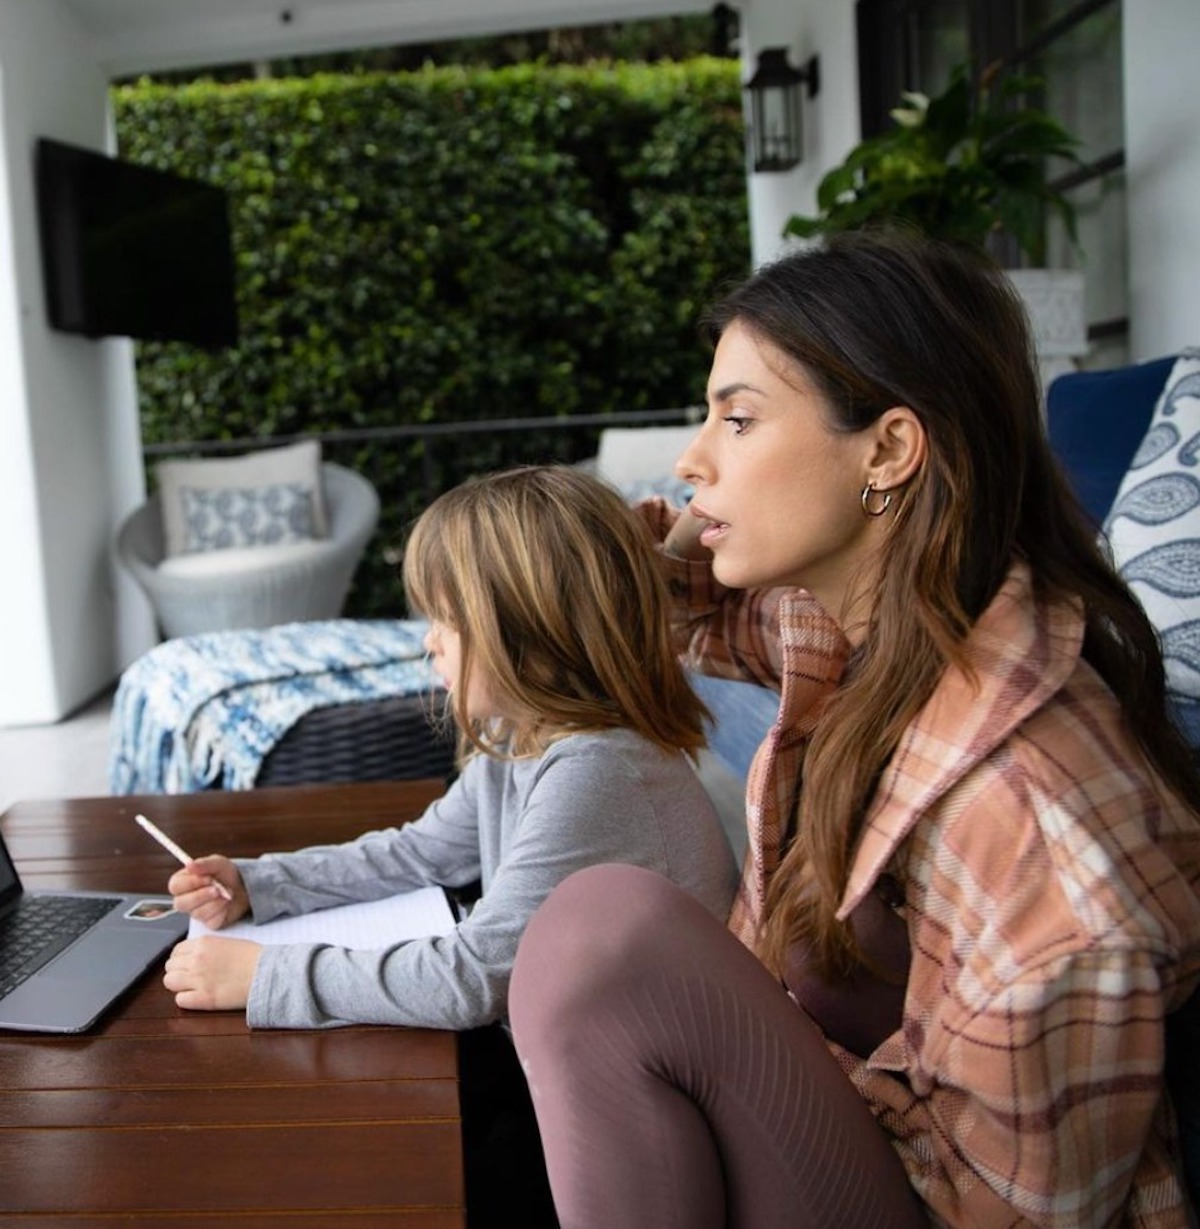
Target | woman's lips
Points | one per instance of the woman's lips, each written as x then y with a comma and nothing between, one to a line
714,531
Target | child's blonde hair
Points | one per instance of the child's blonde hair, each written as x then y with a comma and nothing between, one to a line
551,582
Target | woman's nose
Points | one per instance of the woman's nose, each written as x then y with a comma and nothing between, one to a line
429,642
692,466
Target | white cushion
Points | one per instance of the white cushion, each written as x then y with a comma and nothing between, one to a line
1154,529
639,454
238,559
294,465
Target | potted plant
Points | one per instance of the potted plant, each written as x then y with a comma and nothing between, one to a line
968,165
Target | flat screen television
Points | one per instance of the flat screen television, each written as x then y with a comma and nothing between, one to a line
130,251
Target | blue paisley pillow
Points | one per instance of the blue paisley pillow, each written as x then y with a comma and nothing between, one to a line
223,518
1154,528
255,499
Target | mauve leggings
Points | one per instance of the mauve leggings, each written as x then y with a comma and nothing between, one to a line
675,1082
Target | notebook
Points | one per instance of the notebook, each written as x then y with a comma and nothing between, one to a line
90,948
367,925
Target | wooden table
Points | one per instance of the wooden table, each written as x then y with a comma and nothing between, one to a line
166,1117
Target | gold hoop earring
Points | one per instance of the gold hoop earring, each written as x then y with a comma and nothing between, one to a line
865,500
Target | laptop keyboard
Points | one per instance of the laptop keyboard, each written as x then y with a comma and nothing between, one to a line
39,928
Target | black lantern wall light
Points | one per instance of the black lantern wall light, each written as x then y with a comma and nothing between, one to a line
776,122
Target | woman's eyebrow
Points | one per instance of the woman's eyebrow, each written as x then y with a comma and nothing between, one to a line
731,390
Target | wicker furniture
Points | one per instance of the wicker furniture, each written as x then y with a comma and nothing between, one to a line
389,739
313,701
313,587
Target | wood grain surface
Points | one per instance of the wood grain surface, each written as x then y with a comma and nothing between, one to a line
166,1117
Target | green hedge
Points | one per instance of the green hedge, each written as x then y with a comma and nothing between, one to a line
445,245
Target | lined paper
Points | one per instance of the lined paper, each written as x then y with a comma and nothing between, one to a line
369,924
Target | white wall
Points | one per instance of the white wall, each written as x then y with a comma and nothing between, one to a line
1162,145
825,28
70,464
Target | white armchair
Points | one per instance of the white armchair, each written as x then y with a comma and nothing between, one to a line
256,587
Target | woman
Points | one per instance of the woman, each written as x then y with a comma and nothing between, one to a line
970,897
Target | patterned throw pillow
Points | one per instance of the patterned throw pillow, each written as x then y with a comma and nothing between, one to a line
296,464
1154,528
221,518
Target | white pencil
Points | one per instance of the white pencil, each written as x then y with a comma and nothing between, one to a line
169,845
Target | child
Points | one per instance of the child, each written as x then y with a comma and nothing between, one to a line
549,627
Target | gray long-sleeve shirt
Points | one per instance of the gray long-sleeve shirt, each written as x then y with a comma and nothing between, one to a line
518,826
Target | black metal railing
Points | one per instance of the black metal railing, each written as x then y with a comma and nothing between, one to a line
432,434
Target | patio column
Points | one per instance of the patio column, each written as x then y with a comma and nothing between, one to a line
70,451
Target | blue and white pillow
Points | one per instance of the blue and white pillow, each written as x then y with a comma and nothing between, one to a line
225,518
1154,529
298,463
674,490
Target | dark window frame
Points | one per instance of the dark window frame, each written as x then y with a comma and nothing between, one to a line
888,59
887,53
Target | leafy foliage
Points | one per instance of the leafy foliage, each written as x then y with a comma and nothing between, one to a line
445,245
964,165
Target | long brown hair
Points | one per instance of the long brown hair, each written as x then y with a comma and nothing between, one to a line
881,319
552,582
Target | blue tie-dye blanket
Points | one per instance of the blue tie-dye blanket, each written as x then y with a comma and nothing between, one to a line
205,710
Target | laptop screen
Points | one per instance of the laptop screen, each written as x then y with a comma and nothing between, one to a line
10,885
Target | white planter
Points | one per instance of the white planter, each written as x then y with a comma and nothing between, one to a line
1054,300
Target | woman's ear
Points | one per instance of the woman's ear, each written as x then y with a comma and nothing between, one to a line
898,448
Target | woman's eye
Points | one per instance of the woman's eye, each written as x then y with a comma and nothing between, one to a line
739,423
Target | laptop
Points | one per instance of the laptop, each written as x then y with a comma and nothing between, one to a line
67,956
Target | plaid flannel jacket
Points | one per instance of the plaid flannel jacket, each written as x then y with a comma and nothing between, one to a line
1052,898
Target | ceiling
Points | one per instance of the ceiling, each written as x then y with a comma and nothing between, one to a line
129,36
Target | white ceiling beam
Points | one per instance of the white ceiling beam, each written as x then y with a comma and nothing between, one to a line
132,36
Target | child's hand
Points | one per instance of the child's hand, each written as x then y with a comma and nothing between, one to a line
195,891
683,538
212,974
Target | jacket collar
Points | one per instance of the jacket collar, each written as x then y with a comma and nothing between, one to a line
1020,653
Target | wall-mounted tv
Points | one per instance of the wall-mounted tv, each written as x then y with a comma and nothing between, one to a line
130,251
